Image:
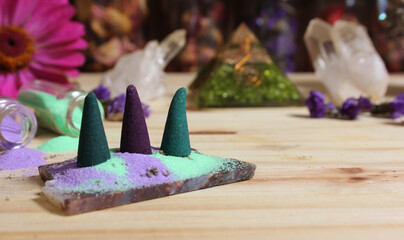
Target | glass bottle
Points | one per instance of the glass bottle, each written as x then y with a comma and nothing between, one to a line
58,108
18,124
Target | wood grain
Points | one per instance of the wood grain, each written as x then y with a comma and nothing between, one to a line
315,179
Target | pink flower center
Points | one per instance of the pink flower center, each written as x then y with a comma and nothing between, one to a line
16,48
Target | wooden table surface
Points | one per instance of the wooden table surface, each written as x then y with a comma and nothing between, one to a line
315,179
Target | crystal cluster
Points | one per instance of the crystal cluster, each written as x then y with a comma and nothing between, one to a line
144,68
345,59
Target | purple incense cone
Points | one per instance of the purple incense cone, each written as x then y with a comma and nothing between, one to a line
134,137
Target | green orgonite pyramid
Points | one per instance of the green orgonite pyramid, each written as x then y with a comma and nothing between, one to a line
242,75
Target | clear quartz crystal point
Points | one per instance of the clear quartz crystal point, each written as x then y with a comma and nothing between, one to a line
345,59
172,45
144,68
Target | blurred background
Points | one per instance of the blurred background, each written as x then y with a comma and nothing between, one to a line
116,27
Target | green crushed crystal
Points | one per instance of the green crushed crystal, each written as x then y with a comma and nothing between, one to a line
222,90
242,74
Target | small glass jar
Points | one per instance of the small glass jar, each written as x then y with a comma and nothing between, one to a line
58,108
18,124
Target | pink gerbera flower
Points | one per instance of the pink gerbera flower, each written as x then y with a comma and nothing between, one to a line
38,41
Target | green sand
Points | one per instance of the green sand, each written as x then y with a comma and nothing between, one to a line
117,167
194,165
114,165
51,112
59,145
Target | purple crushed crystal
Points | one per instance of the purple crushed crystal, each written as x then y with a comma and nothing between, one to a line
351,108
364,103
316,105
117,105
398,106
102,93
146,110
330,106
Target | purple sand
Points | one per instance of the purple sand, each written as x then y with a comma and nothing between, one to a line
97,180
21,158
11,129
139,164
85,178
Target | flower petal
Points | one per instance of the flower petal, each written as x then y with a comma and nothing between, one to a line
64,59
6,8
24,76
55,18
56,69
64,34
37,18
8,83
44,75
78,44
62,1
23,11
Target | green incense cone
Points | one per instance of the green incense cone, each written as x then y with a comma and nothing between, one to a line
93,146
176,136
